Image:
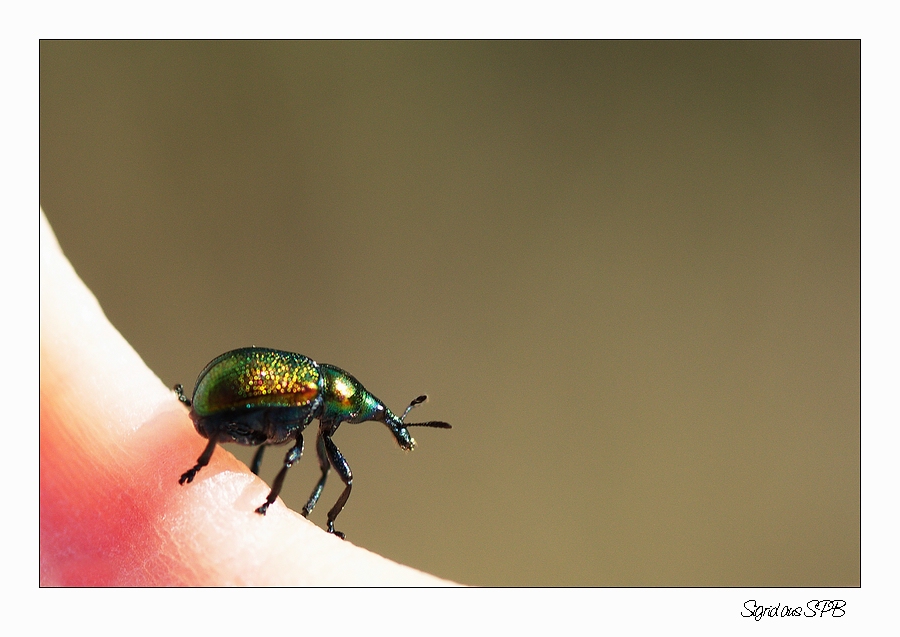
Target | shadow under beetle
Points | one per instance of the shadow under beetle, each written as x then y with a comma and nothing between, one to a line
260,396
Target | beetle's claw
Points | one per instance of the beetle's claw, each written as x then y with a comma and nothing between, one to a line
187,476
262,509
333,532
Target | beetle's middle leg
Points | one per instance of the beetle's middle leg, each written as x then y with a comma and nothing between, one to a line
257,460
293,455
324,465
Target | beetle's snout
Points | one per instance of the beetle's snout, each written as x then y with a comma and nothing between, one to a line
406,442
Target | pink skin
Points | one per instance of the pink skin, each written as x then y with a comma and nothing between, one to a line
113,442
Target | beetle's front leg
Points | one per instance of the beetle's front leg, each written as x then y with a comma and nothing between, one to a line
293,455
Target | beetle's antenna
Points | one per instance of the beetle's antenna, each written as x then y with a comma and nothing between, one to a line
433,423
416,401
437,424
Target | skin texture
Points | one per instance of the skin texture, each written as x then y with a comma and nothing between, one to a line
113,442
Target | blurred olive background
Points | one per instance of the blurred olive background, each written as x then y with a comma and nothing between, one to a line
627,273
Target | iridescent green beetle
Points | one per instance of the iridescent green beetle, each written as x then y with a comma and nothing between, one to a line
260,396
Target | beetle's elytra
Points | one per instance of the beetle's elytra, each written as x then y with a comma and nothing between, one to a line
260,396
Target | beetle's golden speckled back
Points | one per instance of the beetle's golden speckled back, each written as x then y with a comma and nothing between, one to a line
250,377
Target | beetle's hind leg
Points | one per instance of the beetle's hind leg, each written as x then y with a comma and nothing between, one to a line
343,470
293,455
179,393
202,461
257,460
324,465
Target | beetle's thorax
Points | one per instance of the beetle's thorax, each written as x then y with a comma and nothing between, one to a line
345,399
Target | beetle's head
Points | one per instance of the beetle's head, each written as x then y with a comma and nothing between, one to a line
395,424
399,428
